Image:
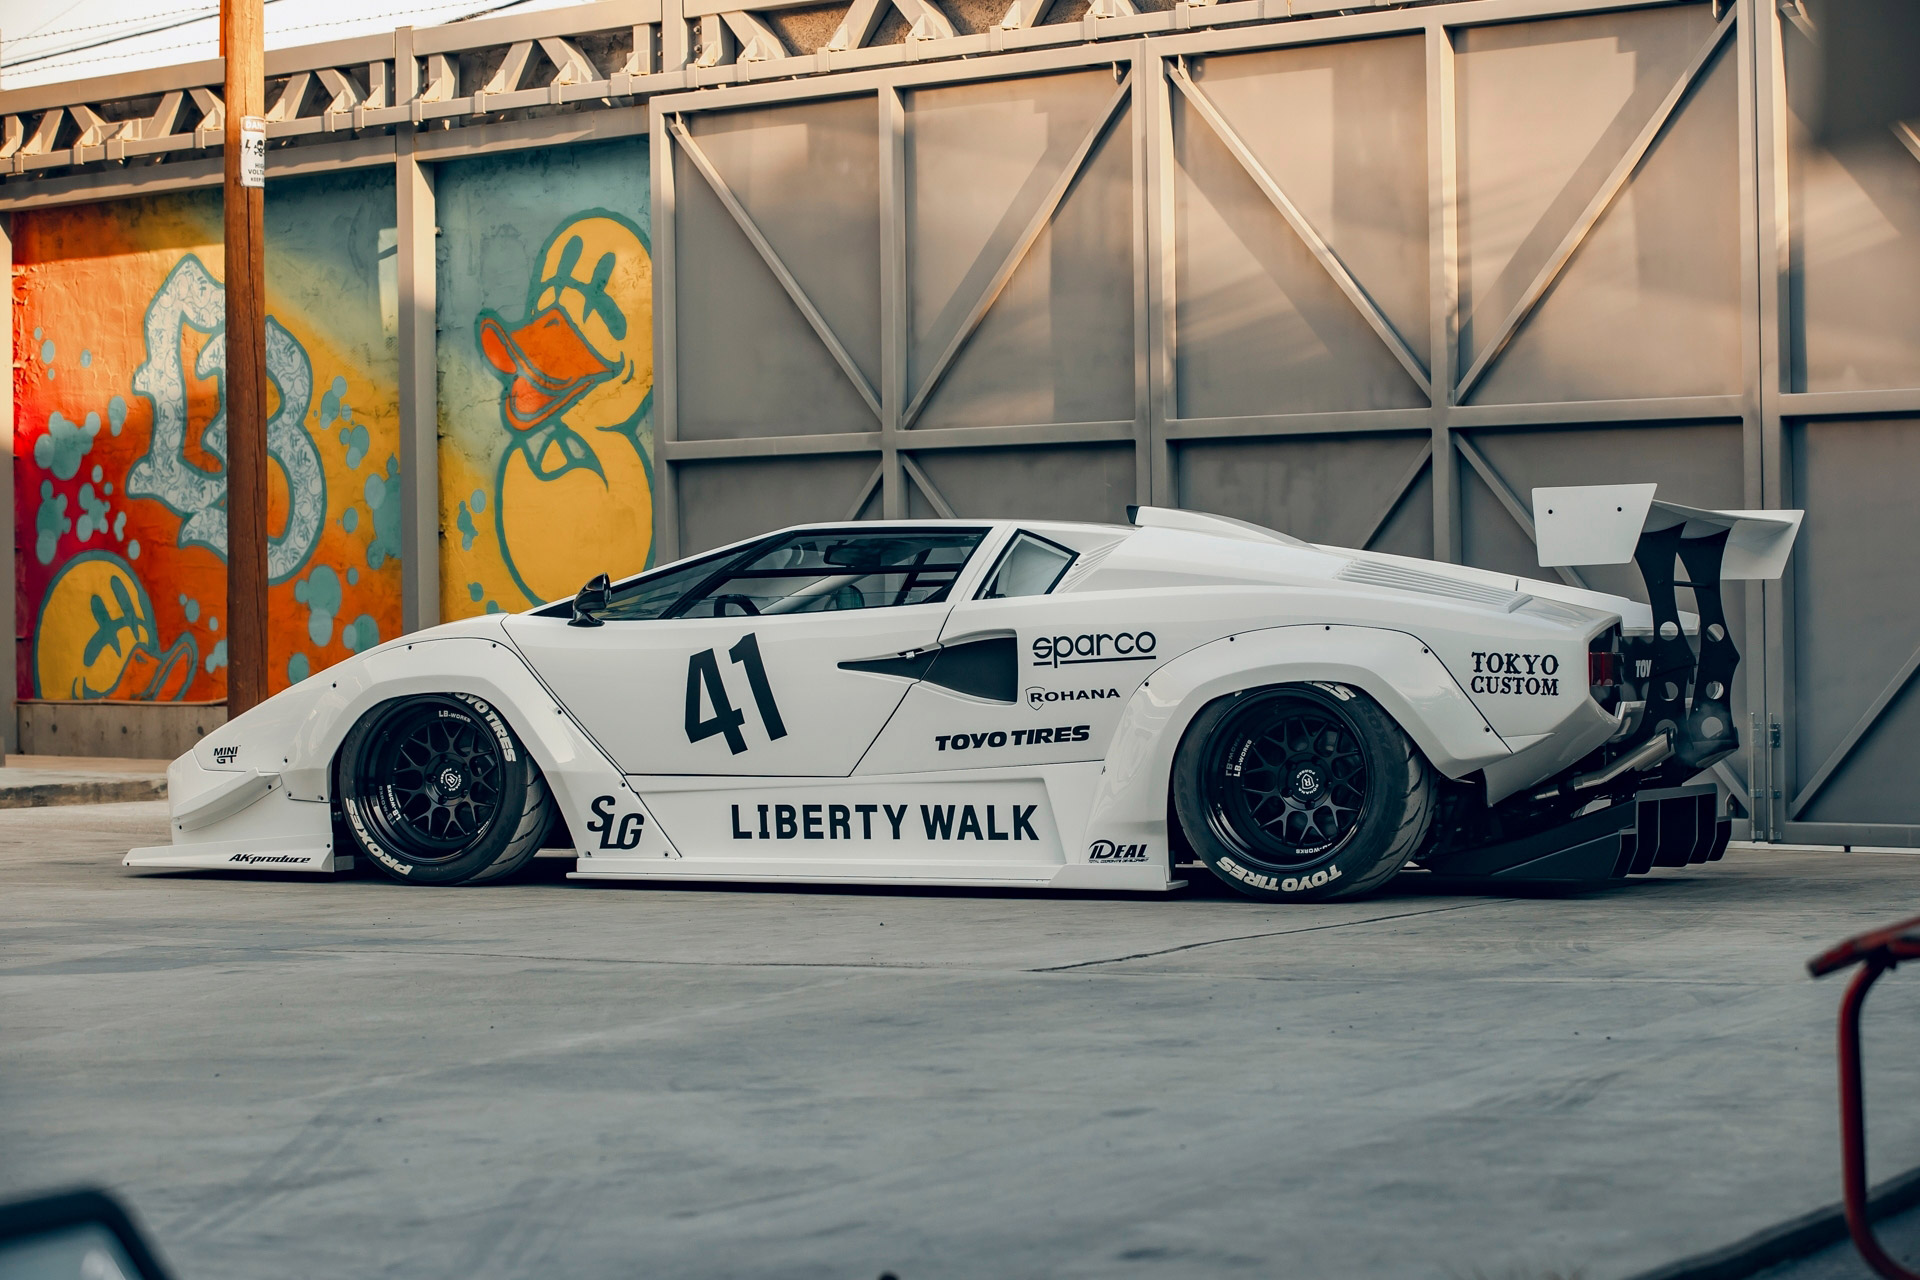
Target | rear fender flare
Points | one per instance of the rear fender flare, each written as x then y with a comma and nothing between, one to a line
1393,668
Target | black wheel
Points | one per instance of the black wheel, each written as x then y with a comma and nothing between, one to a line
1301,792
435,789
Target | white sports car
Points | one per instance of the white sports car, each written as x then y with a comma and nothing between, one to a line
1025,703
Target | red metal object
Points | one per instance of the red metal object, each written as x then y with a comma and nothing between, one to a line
1875,953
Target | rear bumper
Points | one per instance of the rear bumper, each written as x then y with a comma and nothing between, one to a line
1668,827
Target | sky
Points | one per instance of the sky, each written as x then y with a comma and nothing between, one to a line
43,41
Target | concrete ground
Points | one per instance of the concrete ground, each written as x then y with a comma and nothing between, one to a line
356,1078
32,781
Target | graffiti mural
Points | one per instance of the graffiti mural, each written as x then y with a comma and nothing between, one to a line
546,419
120,441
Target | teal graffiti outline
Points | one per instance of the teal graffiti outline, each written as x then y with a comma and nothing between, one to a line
191,298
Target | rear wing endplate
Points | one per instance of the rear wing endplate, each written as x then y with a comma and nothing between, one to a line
1603,524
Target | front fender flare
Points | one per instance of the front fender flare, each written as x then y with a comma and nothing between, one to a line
1393,668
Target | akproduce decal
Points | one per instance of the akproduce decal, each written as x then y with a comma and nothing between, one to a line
120,441
546,374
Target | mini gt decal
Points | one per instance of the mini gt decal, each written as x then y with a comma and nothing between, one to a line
225,755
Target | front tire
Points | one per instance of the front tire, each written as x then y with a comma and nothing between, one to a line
1301,792
435,789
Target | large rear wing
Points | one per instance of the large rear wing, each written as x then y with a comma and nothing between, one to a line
1604,524
1686,698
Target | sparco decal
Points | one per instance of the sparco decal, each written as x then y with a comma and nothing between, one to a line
225,755
1018,737
1038,697
1276,884
1104,646
251,858
628,836
1108,851
883,822
1534,674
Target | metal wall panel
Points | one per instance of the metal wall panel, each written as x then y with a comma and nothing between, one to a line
1371,280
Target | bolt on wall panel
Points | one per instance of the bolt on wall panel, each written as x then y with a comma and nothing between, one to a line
982,160
1260,325
750,363
1853,310
1649,303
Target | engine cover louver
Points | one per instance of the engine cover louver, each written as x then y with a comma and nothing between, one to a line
1373,573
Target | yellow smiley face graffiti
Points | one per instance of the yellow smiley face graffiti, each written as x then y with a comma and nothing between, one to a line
573,496
97,638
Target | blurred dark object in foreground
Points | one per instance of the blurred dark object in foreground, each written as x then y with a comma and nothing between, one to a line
1869,52
74,1235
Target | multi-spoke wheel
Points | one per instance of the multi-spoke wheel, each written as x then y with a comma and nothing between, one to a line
1301,791
437,790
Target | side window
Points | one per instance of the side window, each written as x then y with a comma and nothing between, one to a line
1030,566
819,572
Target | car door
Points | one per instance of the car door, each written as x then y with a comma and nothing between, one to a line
731,664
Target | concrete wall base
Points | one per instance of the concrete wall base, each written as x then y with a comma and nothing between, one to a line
133,730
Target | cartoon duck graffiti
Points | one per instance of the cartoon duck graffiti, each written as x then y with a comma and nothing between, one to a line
97,637
573,495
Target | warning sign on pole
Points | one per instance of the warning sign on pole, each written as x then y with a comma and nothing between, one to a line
253,151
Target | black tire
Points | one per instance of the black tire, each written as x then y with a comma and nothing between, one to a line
1301,792
435,789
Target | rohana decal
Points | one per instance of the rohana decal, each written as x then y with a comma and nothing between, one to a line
1038,697
838,822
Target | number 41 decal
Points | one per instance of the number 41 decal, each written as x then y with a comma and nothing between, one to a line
703,668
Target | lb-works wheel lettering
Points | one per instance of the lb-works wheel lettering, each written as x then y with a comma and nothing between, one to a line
1301,792
436,789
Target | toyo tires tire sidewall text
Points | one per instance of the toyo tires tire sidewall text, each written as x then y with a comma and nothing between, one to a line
1394,815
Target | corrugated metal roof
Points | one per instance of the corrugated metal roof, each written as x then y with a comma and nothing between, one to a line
45,43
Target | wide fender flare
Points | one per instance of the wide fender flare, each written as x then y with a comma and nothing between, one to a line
1393,668
308,730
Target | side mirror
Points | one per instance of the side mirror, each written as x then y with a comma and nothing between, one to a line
78,1233
596,595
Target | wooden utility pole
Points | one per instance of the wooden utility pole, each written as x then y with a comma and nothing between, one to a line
242,39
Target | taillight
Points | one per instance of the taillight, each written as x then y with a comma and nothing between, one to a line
1603,670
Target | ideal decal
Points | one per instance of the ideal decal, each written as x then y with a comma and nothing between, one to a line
631,825
1108,851
1122,646
1038,697
948,822
1017,737
1523,673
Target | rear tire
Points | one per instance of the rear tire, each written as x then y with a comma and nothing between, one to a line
436,789
1301,792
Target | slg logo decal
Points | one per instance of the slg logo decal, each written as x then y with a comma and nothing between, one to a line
631,825
1118,646
1108,851
1524,673
225,755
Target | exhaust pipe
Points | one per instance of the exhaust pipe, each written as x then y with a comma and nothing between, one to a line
1647,754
